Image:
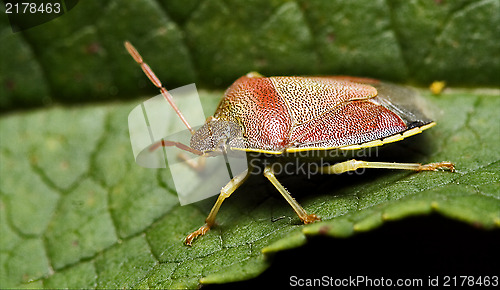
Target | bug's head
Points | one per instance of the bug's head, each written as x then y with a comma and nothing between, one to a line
217,136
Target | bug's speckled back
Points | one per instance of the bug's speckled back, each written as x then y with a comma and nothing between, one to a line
279,113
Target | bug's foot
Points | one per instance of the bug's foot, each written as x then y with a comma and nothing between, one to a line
200,232
438,166
310,219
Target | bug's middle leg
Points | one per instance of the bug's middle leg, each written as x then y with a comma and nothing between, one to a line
225,192
299,210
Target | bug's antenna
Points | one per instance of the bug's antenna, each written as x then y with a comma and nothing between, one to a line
156,81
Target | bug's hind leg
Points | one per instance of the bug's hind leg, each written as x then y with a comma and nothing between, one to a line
352,165
225,192
304,217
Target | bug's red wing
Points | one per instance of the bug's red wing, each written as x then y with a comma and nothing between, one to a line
277,113
351,123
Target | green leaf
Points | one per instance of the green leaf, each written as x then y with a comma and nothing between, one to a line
77,212
79,57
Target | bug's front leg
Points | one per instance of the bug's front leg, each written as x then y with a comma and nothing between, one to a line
197,166
166,143
299,210
225,192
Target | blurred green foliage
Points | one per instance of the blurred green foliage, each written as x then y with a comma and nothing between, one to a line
79,57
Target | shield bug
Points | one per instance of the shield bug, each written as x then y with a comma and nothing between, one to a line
282,116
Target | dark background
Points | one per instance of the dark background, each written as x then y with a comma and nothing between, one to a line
417,247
